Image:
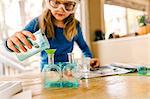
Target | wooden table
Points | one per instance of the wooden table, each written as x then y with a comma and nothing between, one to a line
111,87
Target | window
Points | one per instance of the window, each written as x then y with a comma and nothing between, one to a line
132,16
120,20
16,13
115,19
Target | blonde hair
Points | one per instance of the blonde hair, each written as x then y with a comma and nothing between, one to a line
46,24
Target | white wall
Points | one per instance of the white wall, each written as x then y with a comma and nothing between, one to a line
134,50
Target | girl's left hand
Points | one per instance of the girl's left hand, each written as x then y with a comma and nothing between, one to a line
94,63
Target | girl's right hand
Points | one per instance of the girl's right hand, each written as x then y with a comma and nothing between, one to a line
18,38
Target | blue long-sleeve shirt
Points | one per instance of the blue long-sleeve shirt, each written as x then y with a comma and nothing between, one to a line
60,43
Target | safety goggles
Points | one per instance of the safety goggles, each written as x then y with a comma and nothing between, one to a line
68,6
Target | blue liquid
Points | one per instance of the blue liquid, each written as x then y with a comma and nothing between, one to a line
61,84
60,68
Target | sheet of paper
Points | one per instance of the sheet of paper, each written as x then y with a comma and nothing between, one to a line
106,71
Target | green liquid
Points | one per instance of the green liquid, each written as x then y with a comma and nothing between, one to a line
144,71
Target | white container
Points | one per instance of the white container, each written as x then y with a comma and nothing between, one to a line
41,43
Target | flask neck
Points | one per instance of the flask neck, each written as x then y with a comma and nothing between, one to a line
50,58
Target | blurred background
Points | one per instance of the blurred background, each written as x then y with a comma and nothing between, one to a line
99,19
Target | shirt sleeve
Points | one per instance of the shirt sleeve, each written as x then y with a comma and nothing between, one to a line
82,44
32,26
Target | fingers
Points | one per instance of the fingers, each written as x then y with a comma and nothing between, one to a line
18,39
17,42
95,62
12,46
29,34
23,39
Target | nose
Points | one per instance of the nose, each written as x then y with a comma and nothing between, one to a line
61,8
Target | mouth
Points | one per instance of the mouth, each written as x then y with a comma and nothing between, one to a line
60,14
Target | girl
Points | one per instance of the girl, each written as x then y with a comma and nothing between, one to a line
61,28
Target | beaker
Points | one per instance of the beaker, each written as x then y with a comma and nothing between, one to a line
86,67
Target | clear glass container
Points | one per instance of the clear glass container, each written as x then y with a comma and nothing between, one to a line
144,70
86,67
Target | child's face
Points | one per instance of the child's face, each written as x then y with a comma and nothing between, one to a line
61,9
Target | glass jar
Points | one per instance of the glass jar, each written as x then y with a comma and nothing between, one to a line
144,70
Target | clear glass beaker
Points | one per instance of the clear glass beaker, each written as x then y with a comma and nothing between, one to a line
86,67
